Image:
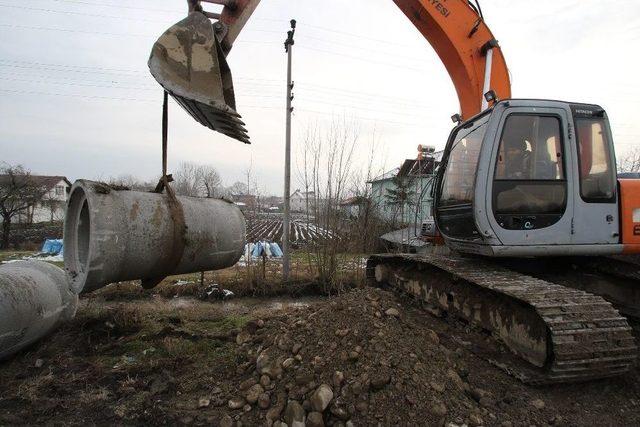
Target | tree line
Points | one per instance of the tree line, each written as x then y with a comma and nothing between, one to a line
189,179
20,192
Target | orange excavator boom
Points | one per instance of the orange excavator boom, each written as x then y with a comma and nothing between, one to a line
457,32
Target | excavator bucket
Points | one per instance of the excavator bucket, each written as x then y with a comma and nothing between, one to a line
189,64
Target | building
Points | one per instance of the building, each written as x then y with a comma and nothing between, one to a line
353,206
272,203
418,177
302,201
52,206
245,201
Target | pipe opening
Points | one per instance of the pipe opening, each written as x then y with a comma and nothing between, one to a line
77,231
82,236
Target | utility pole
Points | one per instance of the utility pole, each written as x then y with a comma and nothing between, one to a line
286,247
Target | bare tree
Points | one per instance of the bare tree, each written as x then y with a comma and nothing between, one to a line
18,192
238,188
197,180
328,168
56,207
210,181
186,180
630,162
367,226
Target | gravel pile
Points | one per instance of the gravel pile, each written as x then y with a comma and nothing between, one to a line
353,360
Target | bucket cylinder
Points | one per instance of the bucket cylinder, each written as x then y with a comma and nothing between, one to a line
35,299
118,235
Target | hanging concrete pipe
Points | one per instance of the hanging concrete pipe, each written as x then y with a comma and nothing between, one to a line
35,299
117,235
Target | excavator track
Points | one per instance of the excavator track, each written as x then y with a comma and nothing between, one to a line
566,335
615,278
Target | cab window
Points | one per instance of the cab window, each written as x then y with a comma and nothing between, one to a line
456,193
597,183
530,188
460,174
531,149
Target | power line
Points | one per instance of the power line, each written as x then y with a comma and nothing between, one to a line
238,42
66,71
68,12
258,81
365,60
315,100
116,6
351,46
147,9
94,97
251,93
361,118
316,27
76,95
95,15
69,66
359,36
102,70
360,93
65,30
78,84
361,108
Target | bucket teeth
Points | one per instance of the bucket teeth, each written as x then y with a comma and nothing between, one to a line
189,64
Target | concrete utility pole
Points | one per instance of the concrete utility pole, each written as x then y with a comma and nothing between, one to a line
286,249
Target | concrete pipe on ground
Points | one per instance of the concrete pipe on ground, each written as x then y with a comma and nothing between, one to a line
117,235
35,299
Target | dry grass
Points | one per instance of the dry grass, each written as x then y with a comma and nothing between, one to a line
30,388
108,358
257,279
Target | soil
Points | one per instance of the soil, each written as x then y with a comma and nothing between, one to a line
366,357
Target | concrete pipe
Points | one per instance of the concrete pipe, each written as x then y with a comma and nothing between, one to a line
117,235
35,298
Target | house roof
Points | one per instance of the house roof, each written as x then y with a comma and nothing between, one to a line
48,182
387,175
412,167
303,194
355,201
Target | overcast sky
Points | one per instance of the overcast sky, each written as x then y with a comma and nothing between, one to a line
76,98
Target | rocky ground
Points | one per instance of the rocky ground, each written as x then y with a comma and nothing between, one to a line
367,357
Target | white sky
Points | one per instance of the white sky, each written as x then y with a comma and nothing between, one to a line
76,98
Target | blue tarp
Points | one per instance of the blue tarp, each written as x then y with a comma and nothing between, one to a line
276,251
267,249
258,249
52,246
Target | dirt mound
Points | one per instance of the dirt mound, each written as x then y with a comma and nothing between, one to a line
371,358
352,359
367,357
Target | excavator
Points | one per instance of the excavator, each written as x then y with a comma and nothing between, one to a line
522,183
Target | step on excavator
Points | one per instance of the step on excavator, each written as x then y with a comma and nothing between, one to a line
521,183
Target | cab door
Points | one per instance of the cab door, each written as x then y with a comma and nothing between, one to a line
596,200
530,196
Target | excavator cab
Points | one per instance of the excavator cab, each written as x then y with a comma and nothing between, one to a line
533,178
